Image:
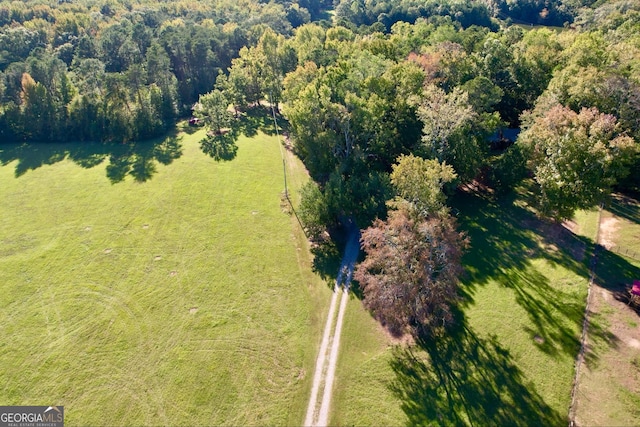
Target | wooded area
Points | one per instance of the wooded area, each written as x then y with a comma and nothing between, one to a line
362,85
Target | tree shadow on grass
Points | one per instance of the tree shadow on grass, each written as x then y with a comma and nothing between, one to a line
260,118
505,239
625,207
135,159
139,160
462,379
220,146
616,274
326,259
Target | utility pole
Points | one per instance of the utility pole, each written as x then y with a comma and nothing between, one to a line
284,166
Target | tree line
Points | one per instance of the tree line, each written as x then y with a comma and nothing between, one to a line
388,123
388,116
121,70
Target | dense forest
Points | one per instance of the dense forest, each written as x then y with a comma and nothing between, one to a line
359,82
121,70
391,105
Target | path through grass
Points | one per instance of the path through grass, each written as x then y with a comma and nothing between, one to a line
609,381
182,298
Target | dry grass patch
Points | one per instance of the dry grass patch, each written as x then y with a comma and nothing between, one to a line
609,384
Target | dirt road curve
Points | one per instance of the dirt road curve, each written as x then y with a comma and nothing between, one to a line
318,410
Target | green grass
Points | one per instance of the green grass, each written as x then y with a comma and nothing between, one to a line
155,289
510,358
609,378
362,395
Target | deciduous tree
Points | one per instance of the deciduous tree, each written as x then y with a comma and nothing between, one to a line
576,158
212,109
410,275
420,183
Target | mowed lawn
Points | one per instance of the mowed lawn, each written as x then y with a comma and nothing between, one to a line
510,359
609,382
179,298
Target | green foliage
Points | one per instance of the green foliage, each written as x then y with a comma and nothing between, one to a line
313,210
213,110
508,169
483,94
453,132
386,13
420,182
362,195
539,12
576,158
171,52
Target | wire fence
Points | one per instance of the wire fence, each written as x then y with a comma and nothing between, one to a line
585,327
629,253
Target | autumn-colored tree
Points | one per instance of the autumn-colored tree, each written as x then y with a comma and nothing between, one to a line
410,275
576,158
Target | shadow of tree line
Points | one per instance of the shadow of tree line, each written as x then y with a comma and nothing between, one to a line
462,379
139,159
625,207
221,146
506,237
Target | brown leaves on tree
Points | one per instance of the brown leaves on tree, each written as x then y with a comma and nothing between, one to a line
410,275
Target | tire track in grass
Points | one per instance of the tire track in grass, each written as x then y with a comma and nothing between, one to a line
324,374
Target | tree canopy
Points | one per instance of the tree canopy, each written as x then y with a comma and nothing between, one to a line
410,275
576,158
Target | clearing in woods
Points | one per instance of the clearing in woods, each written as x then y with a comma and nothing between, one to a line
156,286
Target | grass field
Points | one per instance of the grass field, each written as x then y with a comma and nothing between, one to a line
609,381
510,360
155,286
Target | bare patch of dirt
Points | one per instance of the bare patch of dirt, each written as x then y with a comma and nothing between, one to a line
301,374
633,343
608,231
405,340
563,237
571,225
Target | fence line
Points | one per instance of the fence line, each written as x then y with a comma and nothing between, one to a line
630,253
585,325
